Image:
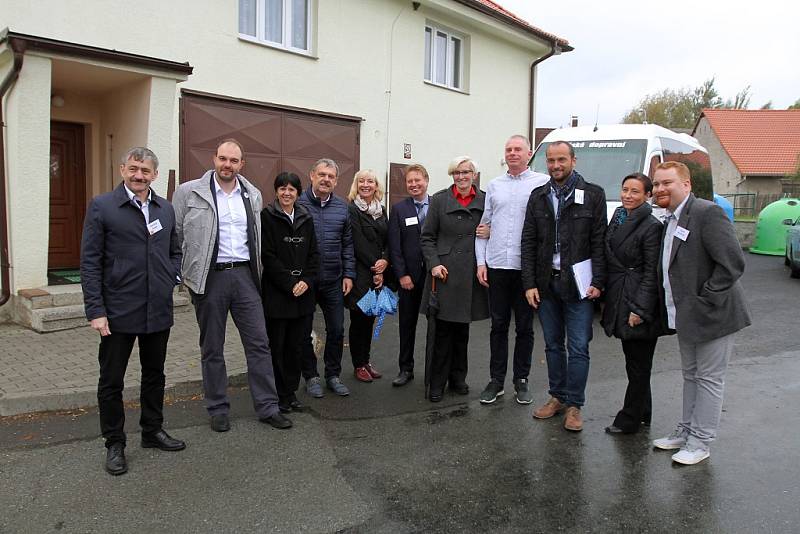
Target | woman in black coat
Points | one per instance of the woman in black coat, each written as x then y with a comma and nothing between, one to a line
291,261
448,244
370,232
632,313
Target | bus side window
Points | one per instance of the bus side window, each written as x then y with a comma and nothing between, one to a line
655,160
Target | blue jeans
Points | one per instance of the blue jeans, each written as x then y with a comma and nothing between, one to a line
330,300
559,316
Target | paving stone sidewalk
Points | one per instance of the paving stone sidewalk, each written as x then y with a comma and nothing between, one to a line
59,370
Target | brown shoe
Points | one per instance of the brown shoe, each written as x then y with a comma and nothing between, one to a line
573,420
549,409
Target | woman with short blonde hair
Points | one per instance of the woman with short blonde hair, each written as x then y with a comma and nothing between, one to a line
370,229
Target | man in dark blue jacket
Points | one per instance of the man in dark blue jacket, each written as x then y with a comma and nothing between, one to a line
405,228
336,274
130,260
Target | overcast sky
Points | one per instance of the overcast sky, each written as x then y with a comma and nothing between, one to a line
627,49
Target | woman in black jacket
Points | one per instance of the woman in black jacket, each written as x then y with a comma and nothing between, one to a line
632,313
370,231
291,261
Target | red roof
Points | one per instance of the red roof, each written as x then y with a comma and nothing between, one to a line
758,141
490,7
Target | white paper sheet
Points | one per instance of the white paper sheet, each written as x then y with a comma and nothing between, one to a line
583,276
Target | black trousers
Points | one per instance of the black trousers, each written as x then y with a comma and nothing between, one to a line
409,302
115,351
638,405
449,358
506,294
286,345
360,336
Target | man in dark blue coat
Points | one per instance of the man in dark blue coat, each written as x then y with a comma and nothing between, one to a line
337,270
405,228
130,260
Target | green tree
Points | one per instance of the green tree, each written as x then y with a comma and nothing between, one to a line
740,101
767,105
680,108
796,105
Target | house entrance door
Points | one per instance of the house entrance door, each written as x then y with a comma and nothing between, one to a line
67,194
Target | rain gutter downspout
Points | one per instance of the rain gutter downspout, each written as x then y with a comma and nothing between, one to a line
5,264
555,49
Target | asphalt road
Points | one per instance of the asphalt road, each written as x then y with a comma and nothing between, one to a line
385,460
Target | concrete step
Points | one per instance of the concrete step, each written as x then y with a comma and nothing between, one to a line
45,311
55,319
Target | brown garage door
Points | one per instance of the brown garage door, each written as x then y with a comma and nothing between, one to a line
275,139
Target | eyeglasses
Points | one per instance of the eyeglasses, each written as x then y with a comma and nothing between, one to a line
462,173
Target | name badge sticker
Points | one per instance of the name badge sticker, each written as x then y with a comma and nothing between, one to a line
411,221
154,227
681,233
579,196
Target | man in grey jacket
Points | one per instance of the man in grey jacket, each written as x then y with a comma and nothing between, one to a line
219,229
701,263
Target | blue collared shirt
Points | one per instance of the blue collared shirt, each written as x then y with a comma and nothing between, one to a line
504,210
422,208
672,225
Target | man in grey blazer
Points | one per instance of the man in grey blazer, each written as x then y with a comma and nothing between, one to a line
702,262
219,230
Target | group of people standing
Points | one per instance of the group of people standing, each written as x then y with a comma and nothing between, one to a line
460,255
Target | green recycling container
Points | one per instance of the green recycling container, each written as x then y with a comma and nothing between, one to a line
770,236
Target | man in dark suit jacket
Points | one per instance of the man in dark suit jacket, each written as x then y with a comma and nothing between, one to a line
405,255
130,260
701,263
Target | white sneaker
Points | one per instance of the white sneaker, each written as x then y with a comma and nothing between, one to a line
690,456
676,440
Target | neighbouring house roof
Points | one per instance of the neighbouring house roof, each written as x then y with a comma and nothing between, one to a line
496,11
762,142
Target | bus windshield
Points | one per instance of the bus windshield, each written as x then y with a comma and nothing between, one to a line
604,163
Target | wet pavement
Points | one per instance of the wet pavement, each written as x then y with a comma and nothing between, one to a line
386,460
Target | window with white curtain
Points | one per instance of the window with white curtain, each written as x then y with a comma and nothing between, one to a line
281,23
444,57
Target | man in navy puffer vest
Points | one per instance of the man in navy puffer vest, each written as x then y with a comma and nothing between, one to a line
336,275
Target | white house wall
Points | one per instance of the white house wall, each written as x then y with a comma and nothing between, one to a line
27,115
349,75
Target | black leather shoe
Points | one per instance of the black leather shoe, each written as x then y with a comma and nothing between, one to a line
611,429
297,406
459,389
277,421
220,423
403,378
435,396
162,440
115,459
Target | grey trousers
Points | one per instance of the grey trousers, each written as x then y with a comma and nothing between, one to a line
234,291
704,366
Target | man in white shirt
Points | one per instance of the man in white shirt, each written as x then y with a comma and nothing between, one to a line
498,260
219,228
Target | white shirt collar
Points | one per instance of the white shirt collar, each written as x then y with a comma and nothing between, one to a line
132,196
219,190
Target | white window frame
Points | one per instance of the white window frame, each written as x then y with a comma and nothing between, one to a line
286,28
449,83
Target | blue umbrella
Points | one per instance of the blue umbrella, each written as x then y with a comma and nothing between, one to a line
378,303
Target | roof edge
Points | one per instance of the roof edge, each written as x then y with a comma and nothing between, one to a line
555,40
24,42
